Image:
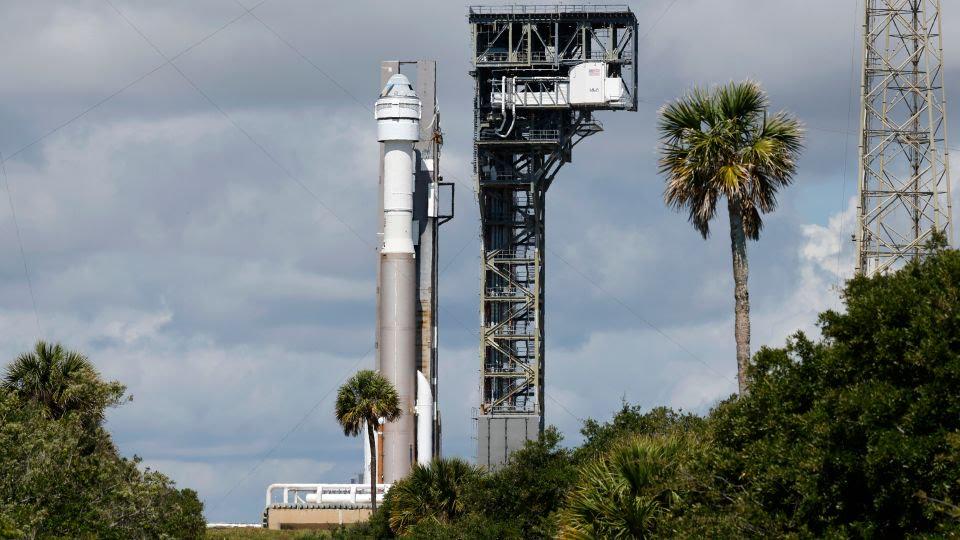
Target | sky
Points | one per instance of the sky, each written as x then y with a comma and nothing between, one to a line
204,229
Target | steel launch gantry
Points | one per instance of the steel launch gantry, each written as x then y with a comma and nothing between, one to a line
540,74
904,165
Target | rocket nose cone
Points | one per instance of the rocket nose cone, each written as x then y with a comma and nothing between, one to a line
398,86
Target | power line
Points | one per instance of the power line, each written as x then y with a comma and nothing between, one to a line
129,85
23,255
305,58
846,140
562,406
550,397
454,258
323,72
303,420
239,128
313,409
622,303
636,314
657,22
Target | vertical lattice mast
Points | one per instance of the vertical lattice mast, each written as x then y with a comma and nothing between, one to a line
540,72
904,170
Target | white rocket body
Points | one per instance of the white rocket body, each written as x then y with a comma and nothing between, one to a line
398,128
424,420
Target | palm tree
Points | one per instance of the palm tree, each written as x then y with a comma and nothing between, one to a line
627,492
61,382
722,143
432,492
365,399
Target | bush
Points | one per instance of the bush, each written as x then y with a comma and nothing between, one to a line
854,436
631,421
630,491
530,488
858,434
432,493
469,527
61,476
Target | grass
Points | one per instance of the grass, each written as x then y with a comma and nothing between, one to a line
261,534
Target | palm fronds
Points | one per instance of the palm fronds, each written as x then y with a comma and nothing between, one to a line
722,143
624,493
433,492
366,398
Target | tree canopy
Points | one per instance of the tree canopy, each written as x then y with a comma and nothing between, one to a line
61,475
855,434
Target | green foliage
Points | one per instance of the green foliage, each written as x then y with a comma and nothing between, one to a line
8,527
723,143
470,527
855,436
530,488
60,474
61,382
432,493
859,434
630,421
379,524
365,398
630,490
256,533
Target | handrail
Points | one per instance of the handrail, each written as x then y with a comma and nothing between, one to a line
293,494
550,8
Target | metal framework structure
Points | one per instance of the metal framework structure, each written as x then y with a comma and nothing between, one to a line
540,73
904,168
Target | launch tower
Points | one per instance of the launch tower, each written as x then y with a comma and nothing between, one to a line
904,167
540,74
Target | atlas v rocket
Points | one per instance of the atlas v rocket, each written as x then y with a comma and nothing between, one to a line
406,303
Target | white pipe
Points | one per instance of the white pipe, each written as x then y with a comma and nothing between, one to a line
513,110
503,108
324,493
424,420
366,455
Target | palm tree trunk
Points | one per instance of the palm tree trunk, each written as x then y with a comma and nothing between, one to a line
373,466
741,295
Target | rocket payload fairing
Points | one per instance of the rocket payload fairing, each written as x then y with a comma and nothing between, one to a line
410,438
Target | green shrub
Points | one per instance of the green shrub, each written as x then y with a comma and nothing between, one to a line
62,477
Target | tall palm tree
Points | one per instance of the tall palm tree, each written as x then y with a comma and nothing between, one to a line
363,400
61,382
723,144
432,492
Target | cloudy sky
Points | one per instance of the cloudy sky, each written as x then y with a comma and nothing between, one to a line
204,229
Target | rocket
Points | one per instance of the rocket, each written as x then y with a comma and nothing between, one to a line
410,438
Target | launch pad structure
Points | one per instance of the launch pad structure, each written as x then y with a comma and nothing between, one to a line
540,72
904,193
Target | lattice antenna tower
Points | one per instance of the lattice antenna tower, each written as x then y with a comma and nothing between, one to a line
905,193
541,72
